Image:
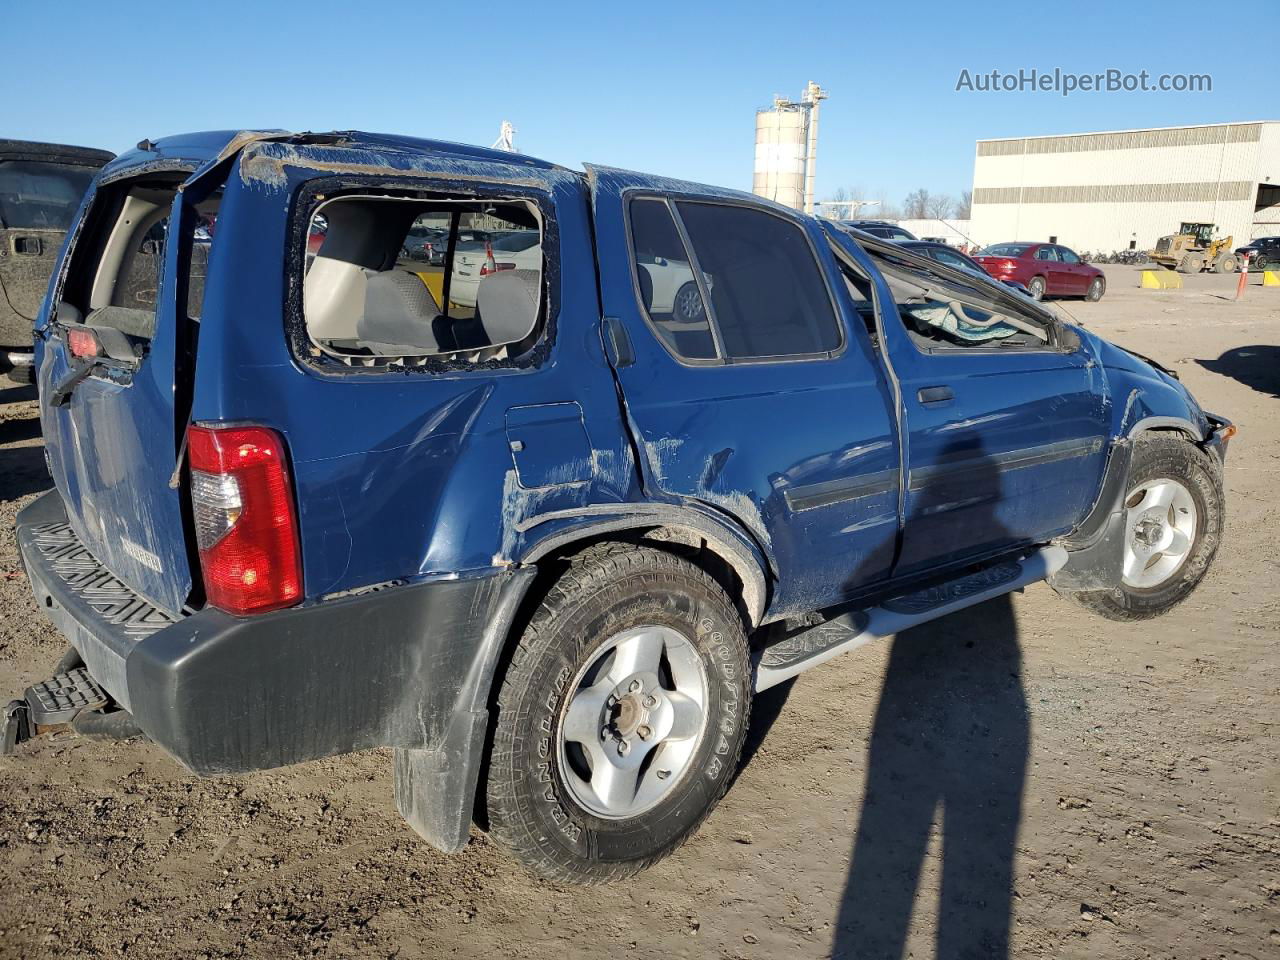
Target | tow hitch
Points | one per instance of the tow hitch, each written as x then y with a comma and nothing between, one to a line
50,706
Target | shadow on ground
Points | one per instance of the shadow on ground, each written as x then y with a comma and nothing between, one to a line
1256,366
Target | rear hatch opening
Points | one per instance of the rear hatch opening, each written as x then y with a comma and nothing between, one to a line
115,378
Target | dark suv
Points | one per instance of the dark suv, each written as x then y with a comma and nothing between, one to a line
547,545
41,185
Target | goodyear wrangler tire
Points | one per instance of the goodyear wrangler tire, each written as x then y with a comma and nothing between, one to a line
621,717
1174,516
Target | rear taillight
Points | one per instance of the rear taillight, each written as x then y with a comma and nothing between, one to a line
83,343
491,267
246,526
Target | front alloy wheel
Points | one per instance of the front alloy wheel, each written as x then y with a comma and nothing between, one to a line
1160,526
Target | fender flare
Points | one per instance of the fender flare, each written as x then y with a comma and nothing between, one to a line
734,547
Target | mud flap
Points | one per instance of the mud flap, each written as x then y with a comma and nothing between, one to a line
435,789
1095,551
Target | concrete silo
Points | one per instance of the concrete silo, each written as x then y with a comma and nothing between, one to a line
786,150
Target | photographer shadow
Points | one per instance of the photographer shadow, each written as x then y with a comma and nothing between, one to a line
949,747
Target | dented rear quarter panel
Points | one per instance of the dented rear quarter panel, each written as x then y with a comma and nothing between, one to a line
400,475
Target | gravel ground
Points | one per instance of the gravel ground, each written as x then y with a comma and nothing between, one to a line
1017,773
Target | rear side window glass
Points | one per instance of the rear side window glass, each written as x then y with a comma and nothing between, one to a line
35,195
665,282
768,296
1046,253
394,281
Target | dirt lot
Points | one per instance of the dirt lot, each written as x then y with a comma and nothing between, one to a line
1019,773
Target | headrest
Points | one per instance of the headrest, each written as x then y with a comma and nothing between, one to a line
507,305
398,312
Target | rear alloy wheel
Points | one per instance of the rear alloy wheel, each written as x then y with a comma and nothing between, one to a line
1173,517
1096,290
621,718
1036,288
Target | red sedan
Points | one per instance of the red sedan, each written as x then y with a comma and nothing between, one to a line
1045,269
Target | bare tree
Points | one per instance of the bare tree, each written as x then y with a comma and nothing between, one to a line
916,206
939,206
964,206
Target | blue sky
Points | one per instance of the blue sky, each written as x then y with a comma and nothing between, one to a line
668,88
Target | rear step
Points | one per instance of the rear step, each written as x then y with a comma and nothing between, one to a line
52,704
810,646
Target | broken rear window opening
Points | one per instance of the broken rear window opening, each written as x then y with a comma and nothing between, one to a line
394,281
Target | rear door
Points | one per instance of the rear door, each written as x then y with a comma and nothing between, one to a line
113,436
752,391
1077,272
1057,279
39,196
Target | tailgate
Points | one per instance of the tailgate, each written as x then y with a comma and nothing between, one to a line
113,437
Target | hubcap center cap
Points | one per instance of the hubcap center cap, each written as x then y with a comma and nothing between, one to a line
1149,531
627,714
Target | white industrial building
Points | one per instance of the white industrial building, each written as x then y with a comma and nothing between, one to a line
1125,189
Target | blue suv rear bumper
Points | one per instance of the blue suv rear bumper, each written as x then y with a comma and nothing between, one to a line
405,666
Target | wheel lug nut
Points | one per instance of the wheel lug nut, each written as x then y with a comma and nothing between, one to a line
635,686
623,748
650,702
645,732
611,702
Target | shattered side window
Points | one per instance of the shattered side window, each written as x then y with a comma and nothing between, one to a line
393,281
947,310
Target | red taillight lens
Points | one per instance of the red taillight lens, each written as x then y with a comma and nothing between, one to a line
246,526
488,268
83,343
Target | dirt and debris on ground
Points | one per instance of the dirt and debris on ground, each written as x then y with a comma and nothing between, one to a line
1020,773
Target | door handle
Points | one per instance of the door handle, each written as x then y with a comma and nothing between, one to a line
930,395
618,344
28,246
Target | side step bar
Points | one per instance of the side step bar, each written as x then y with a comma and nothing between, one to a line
816,644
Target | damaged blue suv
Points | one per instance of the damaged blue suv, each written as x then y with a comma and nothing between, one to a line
543,517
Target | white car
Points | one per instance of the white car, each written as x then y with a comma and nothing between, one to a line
474,260
672,290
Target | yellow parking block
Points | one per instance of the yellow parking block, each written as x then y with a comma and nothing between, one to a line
434,282
1271,278
1161,280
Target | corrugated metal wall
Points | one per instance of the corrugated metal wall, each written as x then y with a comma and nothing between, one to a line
1108,191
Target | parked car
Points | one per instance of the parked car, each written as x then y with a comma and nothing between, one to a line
41,185
1045,269
1263,253
949,255
548,552
879,228
473,260
427,244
